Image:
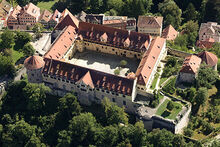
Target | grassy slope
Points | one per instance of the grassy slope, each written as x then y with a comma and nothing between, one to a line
46,5
16,55
154,81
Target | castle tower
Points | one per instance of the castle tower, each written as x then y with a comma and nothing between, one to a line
34,65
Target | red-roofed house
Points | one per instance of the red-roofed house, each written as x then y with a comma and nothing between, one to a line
67,19
29,15
209,58
169,33
151,25
13,17
54,20
189,69
205,44
44,18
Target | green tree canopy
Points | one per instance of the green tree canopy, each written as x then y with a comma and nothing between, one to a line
8,40
201,96
206,76
113,113
69,104
28,49
35,95
21,38
18,134
7,66
190,13
171,13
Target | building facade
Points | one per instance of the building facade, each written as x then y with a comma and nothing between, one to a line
151,25
209,30
189,70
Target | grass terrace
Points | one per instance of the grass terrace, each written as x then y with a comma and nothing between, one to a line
162,110
105,62
47,4
154,81
16,55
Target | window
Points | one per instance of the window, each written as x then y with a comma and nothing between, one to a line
124,102
113,99
32,75
82,89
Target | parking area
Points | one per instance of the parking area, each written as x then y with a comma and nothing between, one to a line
104,62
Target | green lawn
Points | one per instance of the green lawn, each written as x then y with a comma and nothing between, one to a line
170,115
46,5
154,81
162,80
16,55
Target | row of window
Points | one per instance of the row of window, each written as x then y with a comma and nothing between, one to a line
98,89
113,100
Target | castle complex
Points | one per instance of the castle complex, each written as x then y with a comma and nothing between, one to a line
57,70
92,85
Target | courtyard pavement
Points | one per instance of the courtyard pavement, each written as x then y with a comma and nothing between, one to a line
104,62
42,45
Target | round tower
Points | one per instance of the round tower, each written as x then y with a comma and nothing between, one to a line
34,66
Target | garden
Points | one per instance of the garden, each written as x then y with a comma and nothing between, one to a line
169,109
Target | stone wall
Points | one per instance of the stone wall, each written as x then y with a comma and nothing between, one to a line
178,53
88,95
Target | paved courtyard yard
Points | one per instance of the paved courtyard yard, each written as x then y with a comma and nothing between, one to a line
104,62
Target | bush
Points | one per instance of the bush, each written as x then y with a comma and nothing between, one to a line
117,72
170,105
154,103
188,132
123,63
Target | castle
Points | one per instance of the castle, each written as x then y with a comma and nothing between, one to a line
91,85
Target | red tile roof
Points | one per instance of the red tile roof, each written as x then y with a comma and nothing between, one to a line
191,64
150,21
34,62
55,16
99,79
45,15
115,37
169,33
149,60
16,11
209,58
32,10
205,44
86,79
69,19
62,44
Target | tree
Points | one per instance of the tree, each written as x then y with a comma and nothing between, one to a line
7,38
171,13
64,139
212,11
160,138
191,94
188,132
123,63
35,142
201,96
7,66
28,49
69,104
190,13
35,95
206,76
21,38
113,113
170,106
38,29
82,128
116,71
18,134
109,135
